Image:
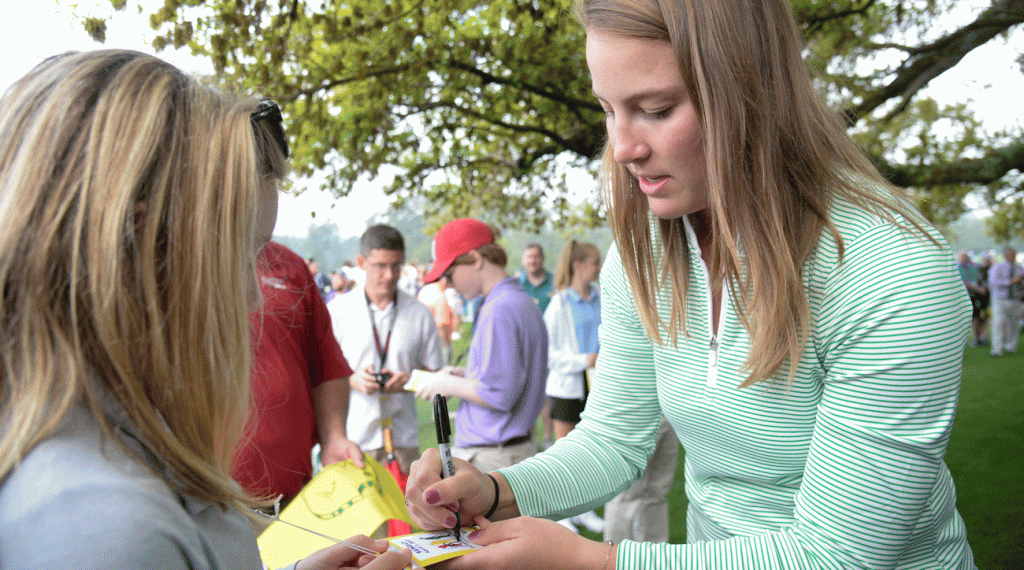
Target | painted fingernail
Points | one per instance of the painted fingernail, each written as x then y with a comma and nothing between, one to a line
473,535
432,497
454,507
450,521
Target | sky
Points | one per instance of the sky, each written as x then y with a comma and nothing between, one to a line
37,29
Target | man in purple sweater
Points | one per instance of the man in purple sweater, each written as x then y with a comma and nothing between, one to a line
502,389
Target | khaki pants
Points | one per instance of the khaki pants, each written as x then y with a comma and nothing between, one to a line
1006,314
640,512
488,459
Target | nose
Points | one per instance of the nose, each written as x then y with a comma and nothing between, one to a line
628,145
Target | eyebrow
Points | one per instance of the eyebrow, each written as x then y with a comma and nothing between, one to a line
665,93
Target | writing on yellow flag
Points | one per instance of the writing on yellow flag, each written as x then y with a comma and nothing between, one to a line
341,501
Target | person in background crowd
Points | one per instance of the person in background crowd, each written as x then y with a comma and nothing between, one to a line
970,274
299,383
788,311
386,334
134,200
1004,281
537,282
337,286
355,277
985,299
502,388
323,283
640,513
535,279
433,296
409,280
572,319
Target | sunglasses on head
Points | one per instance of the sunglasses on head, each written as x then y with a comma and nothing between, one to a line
269,111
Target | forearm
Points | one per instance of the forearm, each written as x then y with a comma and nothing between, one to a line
467,390
330,407
579,475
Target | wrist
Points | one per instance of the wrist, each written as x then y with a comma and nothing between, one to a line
609,558
497,495
600,555
504,501
333,437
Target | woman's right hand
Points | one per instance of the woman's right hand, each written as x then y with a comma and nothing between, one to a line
432,501
342,556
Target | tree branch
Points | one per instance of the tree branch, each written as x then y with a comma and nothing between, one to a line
815,23
516,128
328,85
993,166
570,102
932,60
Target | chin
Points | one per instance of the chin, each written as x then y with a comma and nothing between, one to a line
669,212
672,208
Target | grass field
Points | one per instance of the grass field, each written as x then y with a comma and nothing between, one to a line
985,456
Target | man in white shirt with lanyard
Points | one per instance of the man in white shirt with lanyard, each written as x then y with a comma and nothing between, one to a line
385,334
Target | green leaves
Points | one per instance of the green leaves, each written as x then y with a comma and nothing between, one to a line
484,107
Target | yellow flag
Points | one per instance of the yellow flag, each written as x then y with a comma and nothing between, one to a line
341,501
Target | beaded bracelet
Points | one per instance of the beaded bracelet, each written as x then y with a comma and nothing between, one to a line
494,505
611,546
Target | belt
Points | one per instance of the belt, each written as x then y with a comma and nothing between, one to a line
507,442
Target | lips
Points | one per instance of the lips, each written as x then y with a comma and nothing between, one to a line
652,185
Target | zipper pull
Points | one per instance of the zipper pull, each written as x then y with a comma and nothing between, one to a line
713,361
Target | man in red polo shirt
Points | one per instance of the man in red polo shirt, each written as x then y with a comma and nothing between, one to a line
299,381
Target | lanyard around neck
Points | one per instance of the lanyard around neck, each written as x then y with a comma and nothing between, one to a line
382,350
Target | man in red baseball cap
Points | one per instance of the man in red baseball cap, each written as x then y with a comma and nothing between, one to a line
502,388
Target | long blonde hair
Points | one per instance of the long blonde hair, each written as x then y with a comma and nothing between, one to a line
776,157
128,201
572,252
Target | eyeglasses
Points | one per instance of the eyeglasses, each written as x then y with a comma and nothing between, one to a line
268,110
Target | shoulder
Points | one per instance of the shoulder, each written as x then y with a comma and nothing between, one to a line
508,301
278,258
886,273
613,277
556,306
874,243
283,274
513,294
557,300
409,305
346,302
70,503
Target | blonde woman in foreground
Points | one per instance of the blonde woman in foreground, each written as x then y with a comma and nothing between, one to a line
794,319
133,202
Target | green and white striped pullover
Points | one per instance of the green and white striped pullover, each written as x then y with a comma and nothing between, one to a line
843,469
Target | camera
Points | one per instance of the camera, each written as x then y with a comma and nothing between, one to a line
382,378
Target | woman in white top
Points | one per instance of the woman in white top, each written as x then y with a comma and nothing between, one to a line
572,318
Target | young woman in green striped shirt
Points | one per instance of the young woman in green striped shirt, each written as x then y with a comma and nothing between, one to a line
797,322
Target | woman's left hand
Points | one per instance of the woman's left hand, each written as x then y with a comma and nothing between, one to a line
344,556
535,543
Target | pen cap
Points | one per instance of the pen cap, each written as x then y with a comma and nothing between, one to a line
441,424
